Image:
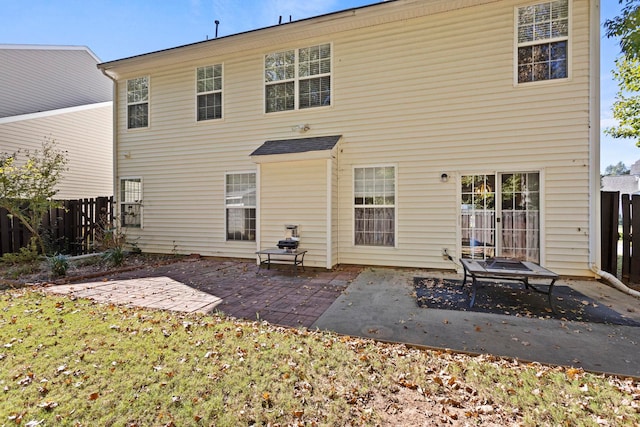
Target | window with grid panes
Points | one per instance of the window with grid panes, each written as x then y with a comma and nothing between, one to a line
543,39
138,103
374,206
209,92
131,202
298,78
240,201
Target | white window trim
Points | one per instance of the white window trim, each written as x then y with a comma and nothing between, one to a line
221,92
120,201
395,206
543,205
296,81
568,38
225,207
148,102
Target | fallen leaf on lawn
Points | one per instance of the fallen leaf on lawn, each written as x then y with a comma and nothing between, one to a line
48,405
94,396
572,373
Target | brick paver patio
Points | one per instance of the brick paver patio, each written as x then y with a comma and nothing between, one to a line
235,287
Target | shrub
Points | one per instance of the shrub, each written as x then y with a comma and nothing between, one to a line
59,265
25,255
114,256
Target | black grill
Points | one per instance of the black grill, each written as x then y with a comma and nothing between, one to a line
288,244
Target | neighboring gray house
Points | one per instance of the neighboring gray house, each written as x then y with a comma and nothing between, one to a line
625,184
57,92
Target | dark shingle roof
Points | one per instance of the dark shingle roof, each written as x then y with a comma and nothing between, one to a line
298,145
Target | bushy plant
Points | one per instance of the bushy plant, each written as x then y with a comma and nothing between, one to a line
59,265
114,256
25,255
28,187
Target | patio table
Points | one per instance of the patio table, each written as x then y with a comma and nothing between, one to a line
293,256
507,269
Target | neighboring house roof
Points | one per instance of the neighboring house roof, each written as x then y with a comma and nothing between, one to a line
298,145
36,78
625,184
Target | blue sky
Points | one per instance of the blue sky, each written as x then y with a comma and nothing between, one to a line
118,29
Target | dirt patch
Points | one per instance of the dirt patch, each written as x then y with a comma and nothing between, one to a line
80,268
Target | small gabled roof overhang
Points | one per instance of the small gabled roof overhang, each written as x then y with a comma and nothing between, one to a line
286,150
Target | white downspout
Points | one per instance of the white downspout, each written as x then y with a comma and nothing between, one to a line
614,281
594,100
114,139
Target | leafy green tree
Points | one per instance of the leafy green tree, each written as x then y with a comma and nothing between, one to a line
27,187
626,28
626,108
616,170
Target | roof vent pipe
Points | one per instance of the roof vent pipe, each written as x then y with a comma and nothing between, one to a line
217,23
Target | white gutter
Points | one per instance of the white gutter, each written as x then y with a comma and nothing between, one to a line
594,165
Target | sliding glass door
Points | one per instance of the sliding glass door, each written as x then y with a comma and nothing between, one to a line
500,215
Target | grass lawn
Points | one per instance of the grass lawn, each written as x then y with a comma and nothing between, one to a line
79,363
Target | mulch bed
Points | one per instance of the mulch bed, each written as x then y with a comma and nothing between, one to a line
513,299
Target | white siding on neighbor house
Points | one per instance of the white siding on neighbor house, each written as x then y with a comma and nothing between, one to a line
431,94
85,133
42,78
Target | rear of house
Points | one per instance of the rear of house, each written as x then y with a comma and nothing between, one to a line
387,134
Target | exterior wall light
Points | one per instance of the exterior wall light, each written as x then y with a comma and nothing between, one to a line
444,177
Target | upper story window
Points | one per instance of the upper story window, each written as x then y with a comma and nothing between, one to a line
209,92
138,103
543,38
298,78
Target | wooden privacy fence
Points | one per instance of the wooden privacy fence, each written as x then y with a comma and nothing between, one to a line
620,215
73,229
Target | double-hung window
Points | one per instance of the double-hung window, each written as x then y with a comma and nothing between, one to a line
131,202
374,206
543,39
138,103
298,78
209,92
240,201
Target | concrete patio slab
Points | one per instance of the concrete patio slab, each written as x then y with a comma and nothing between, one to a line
379,305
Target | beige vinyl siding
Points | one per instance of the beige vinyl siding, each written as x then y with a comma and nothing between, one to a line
430,94
335,230
85,133
295,193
